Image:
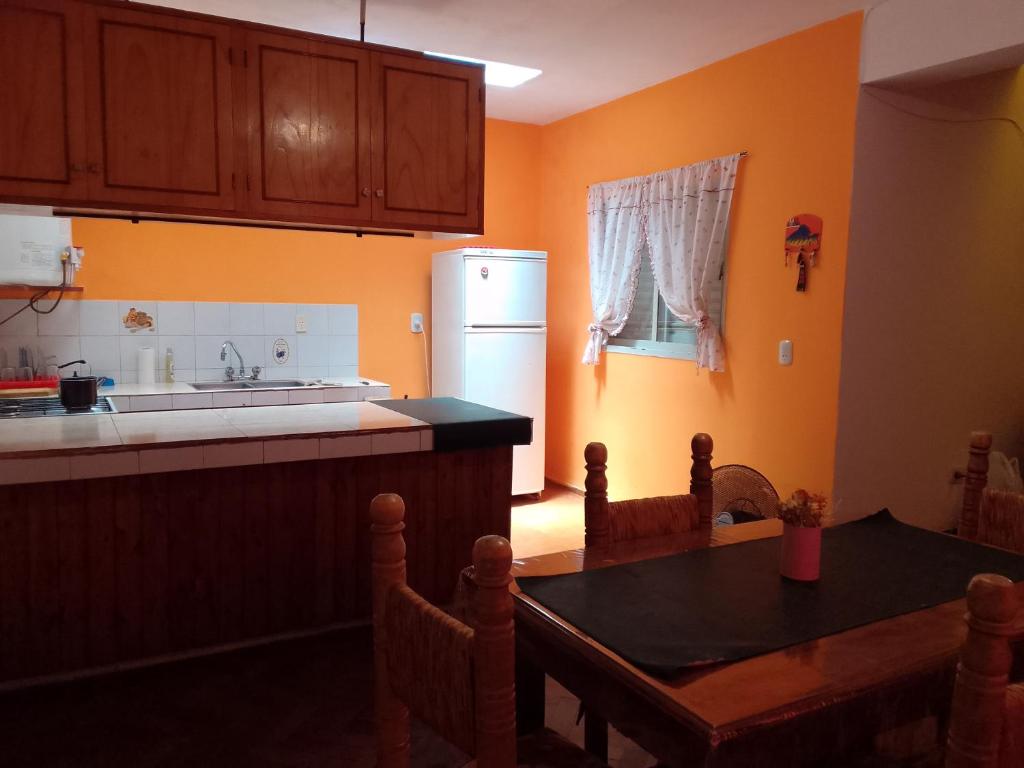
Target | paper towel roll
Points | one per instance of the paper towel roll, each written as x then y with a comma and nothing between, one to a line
147,365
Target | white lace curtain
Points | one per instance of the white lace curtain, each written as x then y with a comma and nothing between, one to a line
682,215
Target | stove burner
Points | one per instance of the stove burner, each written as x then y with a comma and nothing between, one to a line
22,407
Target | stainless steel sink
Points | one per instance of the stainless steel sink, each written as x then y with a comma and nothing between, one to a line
216,386
206,386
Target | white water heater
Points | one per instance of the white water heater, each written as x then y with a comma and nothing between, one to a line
31,248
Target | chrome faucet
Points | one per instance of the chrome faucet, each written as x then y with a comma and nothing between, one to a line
229,372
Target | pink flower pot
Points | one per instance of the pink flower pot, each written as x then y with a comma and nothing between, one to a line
801,553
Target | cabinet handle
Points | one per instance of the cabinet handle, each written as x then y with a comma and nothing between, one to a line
93,168
380,193
77,167
366,191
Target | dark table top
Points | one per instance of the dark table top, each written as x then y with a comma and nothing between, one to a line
460,424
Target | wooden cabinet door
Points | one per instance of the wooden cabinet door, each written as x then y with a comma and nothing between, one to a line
42,107
428,144
160,110
309,129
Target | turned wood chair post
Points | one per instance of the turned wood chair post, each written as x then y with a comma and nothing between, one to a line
597,530
700,477
974,485
979,696
387,515
494,654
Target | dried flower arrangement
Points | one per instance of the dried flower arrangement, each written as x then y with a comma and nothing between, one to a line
803,509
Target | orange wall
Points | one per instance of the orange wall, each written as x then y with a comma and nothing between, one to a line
387,277
791,103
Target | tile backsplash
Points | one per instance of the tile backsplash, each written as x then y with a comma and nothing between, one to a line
265,334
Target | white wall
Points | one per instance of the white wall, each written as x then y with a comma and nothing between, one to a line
933,336
930,40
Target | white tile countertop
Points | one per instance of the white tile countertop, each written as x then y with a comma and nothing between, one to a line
106,445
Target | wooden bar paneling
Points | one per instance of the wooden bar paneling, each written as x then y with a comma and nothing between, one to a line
73,578
154,522
94,572
128,569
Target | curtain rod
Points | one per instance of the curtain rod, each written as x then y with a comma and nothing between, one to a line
742,153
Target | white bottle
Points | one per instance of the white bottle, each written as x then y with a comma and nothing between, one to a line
169,366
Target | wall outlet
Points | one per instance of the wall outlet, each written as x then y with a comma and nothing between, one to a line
300,324
416,322
785,352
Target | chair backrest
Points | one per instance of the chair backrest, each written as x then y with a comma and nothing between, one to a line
979,696
739,488
988,515
974,485
1001,521
607,522
459,680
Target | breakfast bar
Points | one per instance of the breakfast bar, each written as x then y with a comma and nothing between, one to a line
128,537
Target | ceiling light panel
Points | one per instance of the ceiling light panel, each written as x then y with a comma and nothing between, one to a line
495,72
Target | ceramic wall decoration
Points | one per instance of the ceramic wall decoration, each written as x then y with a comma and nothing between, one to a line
281,352
137,320
803,243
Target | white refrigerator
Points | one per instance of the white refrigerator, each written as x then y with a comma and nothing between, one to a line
490,340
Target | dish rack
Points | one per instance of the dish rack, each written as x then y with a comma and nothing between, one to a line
46,382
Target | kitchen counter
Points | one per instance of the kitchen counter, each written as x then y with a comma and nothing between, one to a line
462,424
134,537
106,445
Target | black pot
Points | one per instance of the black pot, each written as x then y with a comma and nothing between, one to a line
79,392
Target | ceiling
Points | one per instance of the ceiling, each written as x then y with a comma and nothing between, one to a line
591,51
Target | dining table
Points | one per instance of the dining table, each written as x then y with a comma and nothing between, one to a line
816,702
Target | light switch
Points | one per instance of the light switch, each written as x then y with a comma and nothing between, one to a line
300,324
785,352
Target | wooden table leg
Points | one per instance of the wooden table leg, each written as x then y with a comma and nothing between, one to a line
529,695
595,736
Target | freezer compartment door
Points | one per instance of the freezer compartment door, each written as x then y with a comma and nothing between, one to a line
505,292
506,369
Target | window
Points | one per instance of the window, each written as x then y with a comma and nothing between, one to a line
653,330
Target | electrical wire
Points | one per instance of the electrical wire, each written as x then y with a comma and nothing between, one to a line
37,297
950,120
426,363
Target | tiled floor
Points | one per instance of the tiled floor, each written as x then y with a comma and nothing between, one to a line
552,524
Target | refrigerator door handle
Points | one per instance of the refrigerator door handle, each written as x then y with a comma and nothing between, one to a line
510,324
506,328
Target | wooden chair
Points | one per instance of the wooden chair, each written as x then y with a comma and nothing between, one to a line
989,516
608,522
459,680
986,727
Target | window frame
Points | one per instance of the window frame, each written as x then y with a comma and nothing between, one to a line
670,350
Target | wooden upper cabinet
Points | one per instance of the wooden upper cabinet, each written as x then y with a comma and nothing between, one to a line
427,144
129,108
42,128
309,129
159,110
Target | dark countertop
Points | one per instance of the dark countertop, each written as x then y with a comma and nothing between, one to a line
461,424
